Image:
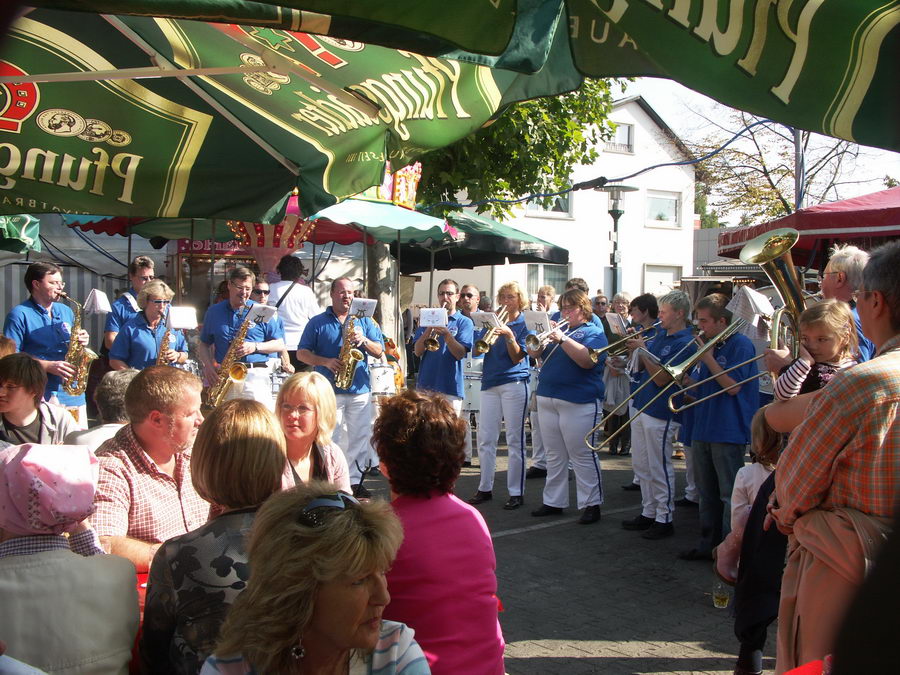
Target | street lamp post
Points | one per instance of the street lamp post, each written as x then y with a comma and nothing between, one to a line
615,211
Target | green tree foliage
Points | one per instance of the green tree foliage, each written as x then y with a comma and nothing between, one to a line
531,147
709,219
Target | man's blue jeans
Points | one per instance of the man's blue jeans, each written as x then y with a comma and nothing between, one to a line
715,466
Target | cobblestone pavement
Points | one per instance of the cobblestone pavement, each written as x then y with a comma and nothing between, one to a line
597,598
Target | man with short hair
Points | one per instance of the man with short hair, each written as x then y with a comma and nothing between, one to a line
468,300
441,370
42,327
109,396
298,306
839,476
320,347
145,495
261,293
220,328
125,307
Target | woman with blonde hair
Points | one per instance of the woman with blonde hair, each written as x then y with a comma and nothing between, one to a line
307,410
504,397
138,343
237,462
314,602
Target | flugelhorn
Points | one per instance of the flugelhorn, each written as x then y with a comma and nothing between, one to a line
431,342
535,342
483,345
674,372
771,251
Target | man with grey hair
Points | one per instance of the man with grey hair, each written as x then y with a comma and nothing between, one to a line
839,476
109,397
843,276
320,347
653,430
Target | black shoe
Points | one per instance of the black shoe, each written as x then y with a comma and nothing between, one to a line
631,487
536,472
547,511
740,670
360,491
613,450
513,503
695,554
641,522
684,501
467,463
659,531
591,514
479,498
374,471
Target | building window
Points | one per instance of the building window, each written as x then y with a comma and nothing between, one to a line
660,279
560,207
662,209
547,275
622,140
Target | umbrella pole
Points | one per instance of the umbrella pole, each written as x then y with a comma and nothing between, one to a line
212,262
365,244
128,262
401,334
431,275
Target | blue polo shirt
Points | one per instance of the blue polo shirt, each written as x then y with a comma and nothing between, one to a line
726,418
138,345
324,335
498,367
866,346
221,323
121,313
648,336
666,348
45,336
564,379
440,370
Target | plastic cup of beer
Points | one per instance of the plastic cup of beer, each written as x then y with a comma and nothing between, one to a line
721,594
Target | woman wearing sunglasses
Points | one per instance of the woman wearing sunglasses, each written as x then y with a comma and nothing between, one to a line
137,345
314,601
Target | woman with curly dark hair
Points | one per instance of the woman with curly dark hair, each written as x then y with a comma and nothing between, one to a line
443,582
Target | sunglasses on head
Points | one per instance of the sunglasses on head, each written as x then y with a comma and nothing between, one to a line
313,514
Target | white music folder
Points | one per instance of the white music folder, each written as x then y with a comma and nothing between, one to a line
97,302
361,307
433,316
182,317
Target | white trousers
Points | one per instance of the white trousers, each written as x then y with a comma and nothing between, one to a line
538,451
563,428
690,489
353,432
457,403
505,402
651,457
257,386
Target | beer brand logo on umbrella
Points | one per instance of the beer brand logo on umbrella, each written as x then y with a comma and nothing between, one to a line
18,100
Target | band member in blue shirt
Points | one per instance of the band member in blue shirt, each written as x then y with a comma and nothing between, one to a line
42,327
442,370
138,343
504,397
653,431
220,327
126,307
320,346
569,397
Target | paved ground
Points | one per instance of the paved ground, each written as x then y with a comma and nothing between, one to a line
599,599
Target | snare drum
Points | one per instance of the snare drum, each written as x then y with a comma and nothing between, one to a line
472,370
190,366
381,379
276,379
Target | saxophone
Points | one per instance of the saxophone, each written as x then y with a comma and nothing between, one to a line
230,370
78,356
349,357
163,348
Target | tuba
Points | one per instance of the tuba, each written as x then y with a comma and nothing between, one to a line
78,356
349,357
230,370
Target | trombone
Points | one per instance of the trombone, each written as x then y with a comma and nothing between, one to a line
431,342
772,251
483,345
535,342
618,346
675,372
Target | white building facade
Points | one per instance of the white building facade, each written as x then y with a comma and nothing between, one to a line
655,232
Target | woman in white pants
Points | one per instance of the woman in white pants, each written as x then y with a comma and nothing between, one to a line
569,396
504,398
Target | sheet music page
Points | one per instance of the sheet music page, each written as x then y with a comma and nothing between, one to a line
260,313
537,321
182,317
433,316
97,302
361,307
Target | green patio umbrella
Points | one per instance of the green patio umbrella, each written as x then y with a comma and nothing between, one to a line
20,233
828,67
249,114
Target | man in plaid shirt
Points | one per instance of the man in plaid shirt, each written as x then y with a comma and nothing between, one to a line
838,480
145,494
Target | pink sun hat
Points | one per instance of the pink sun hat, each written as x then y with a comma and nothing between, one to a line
46,489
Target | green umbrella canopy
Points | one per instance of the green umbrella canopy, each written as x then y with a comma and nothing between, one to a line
255,112
828,67
20,233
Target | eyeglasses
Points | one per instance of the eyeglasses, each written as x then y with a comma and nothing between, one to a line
246,289
57,284
261,291
313,514
148,278
449,293
467,295
820,278
601,302
287,409
161,302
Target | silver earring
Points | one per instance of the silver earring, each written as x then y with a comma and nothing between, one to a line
298,652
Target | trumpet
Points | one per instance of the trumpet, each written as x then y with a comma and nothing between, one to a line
675,372
483,345
772,251
535,342
431,342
